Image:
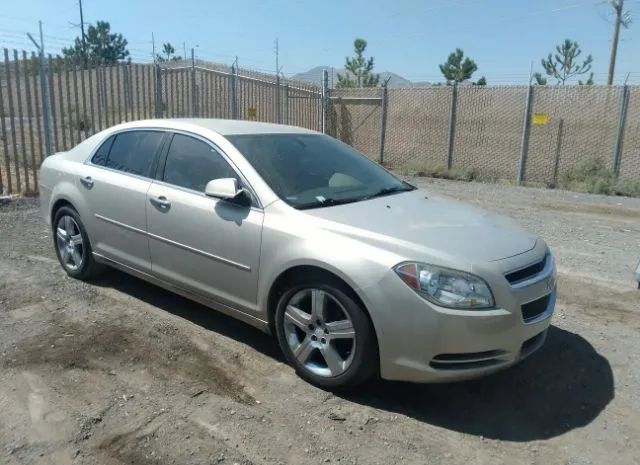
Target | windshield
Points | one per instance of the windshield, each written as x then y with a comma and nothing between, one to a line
312,171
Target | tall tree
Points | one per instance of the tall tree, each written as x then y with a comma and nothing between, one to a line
564,65
359,69
623,18
457,68
102,46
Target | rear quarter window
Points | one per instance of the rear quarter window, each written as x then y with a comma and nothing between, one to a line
100,157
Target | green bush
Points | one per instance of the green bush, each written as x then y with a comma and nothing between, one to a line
592,175
437,170
628,188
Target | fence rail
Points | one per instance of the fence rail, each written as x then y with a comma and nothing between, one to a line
517,133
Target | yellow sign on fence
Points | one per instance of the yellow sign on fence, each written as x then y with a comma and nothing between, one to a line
540,119
252,112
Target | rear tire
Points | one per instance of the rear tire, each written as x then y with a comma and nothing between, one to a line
72,245
325,334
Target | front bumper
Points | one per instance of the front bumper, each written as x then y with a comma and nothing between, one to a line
421,342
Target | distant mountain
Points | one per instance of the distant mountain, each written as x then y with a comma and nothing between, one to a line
315,75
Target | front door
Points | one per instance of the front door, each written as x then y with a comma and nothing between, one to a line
205,245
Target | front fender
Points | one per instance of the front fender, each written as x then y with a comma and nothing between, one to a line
285,246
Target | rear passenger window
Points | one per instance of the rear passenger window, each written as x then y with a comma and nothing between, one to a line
192,163
100,157
134,151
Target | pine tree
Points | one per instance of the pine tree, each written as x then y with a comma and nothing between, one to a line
103,47
170,53
359,69
563,65
457,68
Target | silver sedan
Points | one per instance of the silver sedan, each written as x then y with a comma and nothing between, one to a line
356,272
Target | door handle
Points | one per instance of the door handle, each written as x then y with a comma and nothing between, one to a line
87,182
160,202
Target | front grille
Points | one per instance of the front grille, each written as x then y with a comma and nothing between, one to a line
528,272
467,360
533,309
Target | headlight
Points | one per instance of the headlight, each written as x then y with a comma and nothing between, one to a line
446,287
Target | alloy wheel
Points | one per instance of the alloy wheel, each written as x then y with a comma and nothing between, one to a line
319,332
69,242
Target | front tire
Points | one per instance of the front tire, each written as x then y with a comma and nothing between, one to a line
326,335
72,245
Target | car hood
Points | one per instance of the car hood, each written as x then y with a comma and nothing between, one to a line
416,224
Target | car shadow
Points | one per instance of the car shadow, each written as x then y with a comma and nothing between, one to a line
565,385
194,312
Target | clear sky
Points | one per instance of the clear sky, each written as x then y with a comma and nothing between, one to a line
408,37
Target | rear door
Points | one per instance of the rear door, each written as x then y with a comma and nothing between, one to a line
205,245
115,185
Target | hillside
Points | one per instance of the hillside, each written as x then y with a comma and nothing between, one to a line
315,75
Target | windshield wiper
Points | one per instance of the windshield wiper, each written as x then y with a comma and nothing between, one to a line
388,191
327,202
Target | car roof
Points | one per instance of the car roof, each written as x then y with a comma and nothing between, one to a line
224,127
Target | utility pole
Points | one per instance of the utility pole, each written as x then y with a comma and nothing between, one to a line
617,6
84,41
184,51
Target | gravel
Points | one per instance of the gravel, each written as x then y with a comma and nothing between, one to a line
119,371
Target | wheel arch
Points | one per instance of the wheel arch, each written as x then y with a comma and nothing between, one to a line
57,204
288,276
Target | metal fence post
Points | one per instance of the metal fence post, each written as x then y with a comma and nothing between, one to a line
194,102
558,151
383,122
233,78
617,149
159,109
452,125
278,109
286,103
524,144
325,99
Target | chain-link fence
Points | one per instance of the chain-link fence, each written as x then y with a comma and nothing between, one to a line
515,133
519,134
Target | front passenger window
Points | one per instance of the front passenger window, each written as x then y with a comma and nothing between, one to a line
192,163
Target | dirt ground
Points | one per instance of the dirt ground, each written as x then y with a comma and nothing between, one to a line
119,371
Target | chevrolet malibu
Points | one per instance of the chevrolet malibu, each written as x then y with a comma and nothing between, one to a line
356,272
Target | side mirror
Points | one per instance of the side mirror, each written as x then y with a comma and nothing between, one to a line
226,189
